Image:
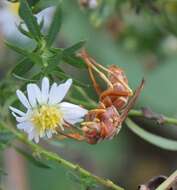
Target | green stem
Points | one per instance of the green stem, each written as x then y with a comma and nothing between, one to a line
53,156
85,96
169,182
167,120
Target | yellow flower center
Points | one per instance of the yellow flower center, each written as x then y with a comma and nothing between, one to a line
47,118
14,7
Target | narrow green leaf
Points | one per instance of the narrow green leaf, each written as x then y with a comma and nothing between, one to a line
74,61
74,48
22,67
32,56
17,49
30,158
33,79
61,75
55,26
33,2
29,19
54,57
156,140
22,78
23,31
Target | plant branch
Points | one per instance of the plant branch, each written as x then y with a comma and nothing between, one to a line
166,120
169,182
54,157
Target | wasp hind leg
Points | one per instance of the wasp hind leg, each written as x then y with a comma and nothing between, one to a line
94,82
91,66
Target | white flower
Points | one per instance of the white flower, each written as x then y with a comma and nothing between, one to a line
9,19
45,113
93,4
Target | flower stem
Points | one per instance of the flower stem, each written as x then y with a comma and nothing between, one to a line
166,120
169,182
55,157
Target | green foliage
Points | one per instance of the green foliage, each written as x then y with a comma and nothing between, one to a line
156,140
33,2
23,67
5,137
71,50
70,57
61,75
74,61
46,57
30,20
136,46
85,182
55,26
32,159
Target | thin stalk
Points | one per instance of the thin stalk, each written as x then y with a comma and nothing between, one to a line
55,157
166,120
169,182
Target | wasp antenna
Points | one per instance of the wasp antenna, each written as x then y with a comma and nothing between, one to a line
132,100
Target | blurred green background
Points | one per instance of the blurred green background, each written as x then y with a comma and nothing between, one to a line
144,44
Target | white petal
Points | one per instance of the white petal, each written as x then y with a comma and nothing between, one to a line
21,126
53,94
49,134
29,128
45,89
17,111
36,138
26,126
42,134
23,99
19,119
31,135
31,91
46,14
60,92
19,115
73,121
34,135
72,113
37,93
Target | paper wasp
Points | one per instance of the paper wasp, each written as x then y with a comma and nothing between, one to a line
115,102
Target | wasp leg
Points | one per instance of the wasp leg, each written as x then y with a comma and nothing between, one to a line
100,110
94,82
112,92
75,136
90,65
112,73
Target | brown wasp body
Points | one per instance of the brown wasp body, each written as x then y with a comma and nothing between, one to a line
105,121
